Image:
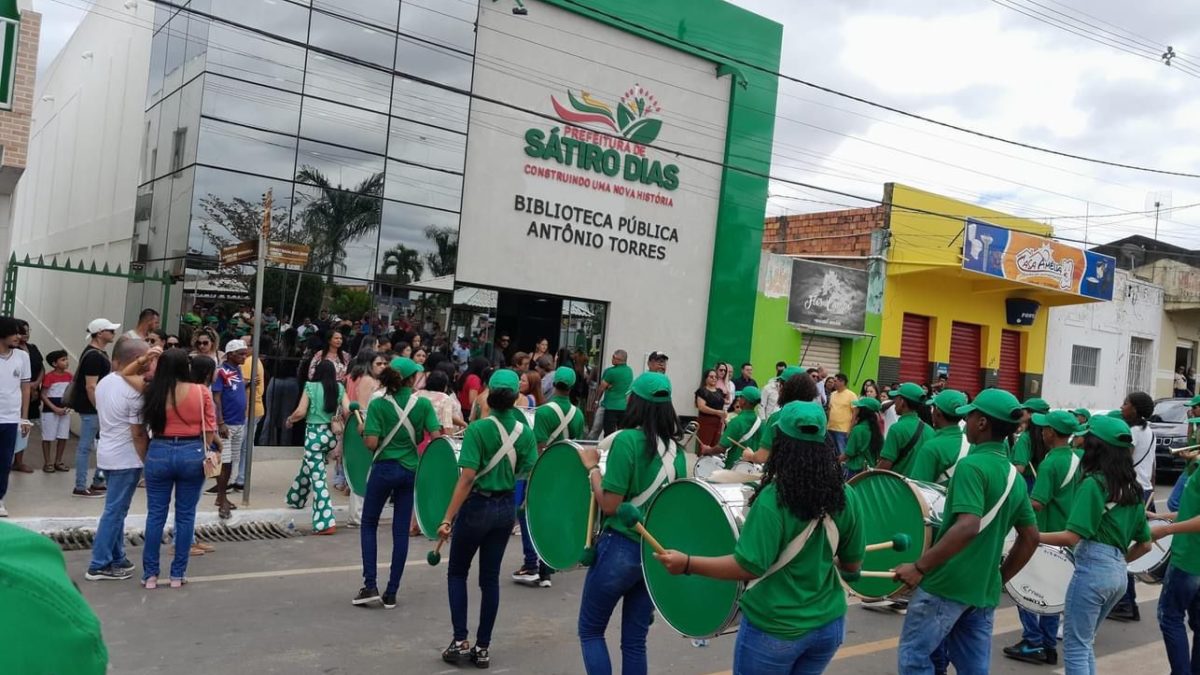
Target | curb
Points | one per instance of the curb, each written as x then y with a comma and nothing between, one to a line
137,523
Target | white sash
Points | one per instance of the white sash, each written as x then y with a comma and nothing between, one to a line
564,420
663,477
1071,471
991,515
796,545
753,430
508,448
403,414
962,452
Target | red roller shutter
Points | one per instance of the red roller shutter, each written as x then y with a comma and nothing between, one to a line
966,373
914,349
1009,377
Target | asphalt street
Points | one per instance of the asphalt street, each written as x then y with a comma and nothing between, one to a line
284,607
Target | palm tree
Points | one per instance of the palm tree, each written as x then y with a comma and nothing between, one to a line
442,261
405,261
337,217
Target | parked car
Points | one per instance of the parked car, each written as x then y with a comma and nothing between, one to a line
1169,423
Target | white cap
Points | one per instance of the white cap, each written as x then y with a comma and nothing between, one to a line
101,325
234,346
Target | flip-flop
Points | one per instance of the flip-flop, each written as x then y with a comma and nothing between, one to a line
61,466
47,468
150,583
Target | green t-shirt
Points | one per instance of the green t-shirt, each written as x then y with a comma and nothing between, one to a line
804,594
1091,517
481,441
629,472
858,448
898,437
766,437
316,403
1022,450
972,576
937,454
546,421
1185,548
382,418
736,430
1050,491
619,379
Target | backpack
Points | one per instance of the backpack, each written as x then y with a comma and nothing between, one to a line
77,385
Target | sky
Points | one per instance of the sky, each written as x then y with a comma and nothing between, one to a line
1053,73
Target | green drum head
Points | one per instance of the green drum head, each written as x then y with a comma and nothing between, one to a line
356,457
889,507
557,497
437,474
687,516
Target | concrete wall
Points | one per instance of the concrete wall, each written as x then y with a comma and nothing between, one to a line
77,198
1136,310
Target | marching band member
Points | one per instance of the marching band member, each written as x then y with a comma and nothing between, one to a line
938,454
957,580
1107,514
866,437
1028,449
643,458
794,608
906,435
1052,498
745,428
494,451
797,386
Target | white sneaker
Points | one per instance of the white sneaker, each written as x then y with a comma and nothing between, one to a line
3,511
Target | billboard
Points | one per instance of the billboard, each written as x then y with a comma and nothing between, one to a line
827,296
1036,261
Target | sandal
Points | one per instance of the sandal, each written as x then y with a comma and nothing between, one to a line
48,468
178,582
196,551
331,530
223,511
150,583
61,466
207,548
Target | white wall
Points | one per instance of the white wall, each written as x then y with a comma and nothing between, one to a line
1135,311
76,198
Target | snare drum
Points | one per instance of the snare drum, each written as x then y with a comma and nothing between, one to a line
356,458
557,497
437,474
1152,567
1041,585
704,519
892,504
747,467
705,466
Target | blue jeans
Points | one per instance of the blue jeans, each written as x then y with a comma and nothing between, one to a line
839,439
616,575
932,619
1094,590
89,426
1039,630
1177,492
483,525
530,560
1180,598
388,479
171,465
109,545
8,445
240,469
758,653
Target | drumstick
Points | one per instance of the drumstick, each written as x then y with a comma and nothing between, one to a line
867,574
435,556
691,430
589,553
630,517
899,542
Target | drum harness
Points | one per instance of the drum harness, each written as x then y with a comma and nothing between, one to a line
667,456
753,430
402,413
912,443
508,450
564,420
962,452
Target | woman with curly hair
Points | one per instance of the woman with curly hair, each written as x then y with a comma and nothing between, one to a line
794,608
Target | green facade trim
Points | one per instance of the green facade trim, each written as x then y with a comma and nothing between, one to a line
701,27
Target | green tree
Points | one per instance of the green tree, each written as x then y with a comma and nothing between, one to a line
444,259
351,302
338,216
226,222
405,261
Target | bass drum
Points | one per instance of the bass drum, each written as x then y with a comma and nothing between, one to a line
356,458
1041,585
1152,567
437,474
557,498
892,504
704,519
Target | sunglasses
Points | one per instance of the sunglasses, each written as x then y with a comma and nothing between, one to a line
203,343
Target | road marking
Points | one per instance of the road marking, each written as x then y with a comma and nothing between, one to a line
287,573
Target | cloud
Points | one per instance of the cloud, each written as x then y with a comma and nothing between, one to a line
59,20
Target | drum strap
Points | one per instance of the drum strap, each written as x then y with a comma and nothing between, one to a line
753,430
402,413
995,510
795,546
667,456
564,420
912,442
1071,471
508,448
962,452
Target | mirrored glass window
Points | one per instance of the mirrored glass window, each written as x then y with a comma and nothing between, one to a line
378,12
341,167
158,61
176,31
426,145
236,101
349,83
167,126
252,57
343,228
424,103
416,243
342,125
451,24
357,40
227,207
278,17
233,146
427,187
197,41
423,60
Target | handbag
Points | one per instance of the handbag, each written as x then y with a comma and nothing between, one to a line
337,424
212,460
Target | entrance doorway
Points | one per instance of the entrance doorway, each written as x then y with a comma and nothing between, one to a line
1185,357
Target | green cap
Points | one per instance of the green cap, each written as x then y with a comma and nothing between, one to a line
212,319
191,320
1195,401
995,403
1113,431
790,372
949,400
35,590
406,366
911,391
653,387
868,402
1062,421
1194,420
504,378
565,375
1115,414
751,394
803,421
1037,405
1082,412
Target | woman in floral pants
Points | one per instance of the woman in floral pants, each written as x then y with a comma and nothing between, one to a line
324,398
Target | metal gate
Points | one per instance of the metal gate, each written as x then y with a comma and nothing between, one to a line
966,374
821,350
914,349
1009,375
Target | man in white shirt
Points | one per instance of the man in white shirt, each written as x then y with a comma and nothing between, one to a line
770,393
119,453
15,388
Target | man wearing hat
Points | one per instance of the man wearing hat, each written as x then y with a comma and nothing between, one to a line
657,362
1052,497
93,365
743,430
230,401
1022,451
937,456
958,580
906,435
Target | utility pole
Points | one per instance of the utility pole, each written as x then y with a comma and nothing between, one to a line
264,237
